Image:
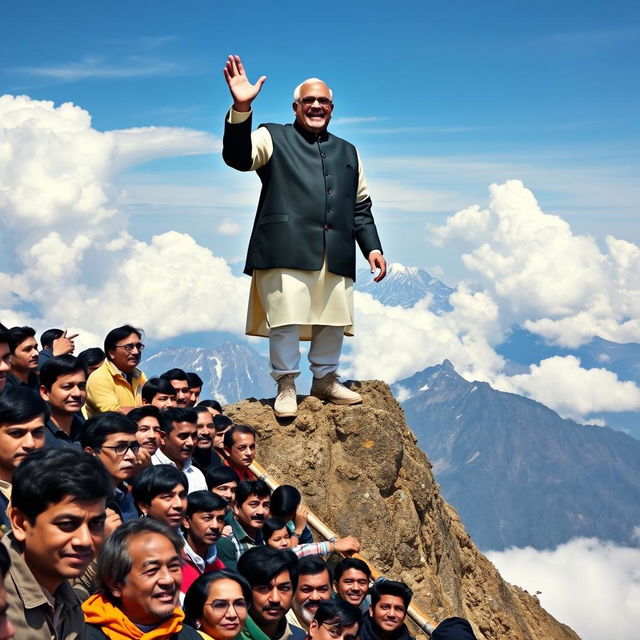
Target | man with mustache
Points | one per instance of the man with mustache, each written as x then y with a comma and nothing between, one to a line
63,385
149,434
240,449
24,358
313,208
204,455
139,571
180,430
250,511
202,528
117,383
271,574
314,587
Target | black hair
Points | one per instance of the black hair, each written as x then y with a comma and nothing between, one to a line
260,565
18,335
176,414
154,386
204,501
238,428
453,628
119,333
215,476
5,560
337,612
248,488
4,339
45,476
57,366
98,427
285,501
212,404
20,404
198,593
311,566
221,422
200,410
146,411
91,357
152,481
48,336
174,374
270,526
350,563
114,560
390,588
194,380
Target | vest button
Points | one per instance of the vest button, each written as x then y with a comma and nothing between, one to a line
327,227
329,191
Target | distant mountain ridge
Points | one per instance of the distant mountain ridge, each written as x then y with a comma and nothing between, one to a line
517,473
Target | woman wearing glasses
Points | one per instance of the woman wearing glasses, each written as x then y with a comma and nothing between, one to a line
216,605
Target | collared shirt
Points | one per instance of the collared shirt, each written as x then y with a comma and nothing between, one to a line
108,389
36,614
33,381
57,438
198,561
195,477
232,547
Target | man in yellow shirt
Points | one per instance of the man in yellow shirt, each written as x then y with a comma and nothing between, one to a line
117,383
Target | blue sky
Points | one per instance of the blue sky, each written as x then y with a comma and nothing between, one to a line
441,98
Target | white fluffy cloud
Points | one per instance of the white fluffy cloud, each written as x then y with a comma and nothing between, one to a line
229,228
556,283
563,385
74,264
592,586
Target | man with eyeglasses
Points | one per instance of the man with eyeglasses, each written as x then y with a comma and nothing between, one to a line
116,385
313,205
335,620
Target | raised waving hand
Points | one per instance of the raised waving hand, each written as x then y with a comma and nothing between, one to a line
242,90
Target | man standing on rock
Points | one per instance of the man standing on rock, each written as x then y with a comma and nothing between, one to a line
313,204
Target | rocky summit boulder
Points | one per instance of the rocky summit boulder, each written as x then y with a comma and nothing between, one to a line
361,472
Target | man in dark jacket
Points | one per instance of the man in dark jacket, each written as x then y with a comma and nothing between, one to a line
389,605
139,572
314,203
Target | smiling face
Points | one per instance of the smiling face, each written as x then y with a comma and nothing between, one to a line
206,430
352,586
62,541
389,613
314,107
311,591
16,441
68,393
150,591
224,593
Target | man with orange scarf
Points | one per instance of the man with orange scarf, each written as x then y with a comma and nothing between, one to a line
139,572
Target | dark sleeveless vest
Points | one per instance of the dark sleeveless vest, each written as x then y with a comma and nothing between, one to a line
308,201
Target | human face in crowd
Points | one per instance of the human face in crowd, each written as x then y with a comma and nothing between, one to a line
120,465
353,586
311,591
168,507
7,630
225,610
127,352
243,450
25,357
218,438
5,363
149,434
389,613
328,631
314,115
206,430
180,442
18,440
164,400
272,601
68,393
194,394
227,491
182,392
253,512
92,367
280,539
204,527
62,541
150,592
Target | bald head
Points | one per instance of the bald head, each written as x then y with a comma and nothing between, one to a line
313,105
298,89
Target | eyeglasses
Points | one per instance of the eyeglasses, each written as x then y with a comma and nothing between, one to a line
336,631
222,606
322,101
122,448
130,346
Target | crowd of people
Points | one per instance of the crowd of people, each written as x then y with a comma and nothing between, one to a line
130,511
